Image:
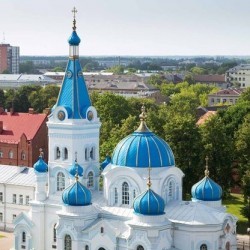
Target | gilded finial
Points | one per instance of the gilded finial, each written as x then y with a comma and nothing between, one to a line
41,152
143,127
149,177
74,11
206,171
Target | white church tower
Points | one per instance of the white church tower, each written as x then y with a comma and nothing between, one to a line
73,128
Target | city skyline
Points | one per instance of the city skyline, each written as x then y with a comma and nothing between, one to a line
131,28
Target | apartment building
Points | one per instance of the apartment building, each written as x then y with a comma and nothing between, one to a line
239,75
9,58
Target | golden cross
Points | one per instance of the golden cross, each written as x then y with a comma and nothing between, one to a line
74,11
41,152
149,177
206,171
143,114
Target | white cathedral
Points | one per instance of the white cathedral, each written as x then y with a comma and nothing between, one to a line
140,206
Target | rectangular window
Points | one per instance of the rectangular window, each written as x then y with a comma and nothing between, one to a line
224,100
1,196
27,200
1,217
13,216
1,154
14,198
21,199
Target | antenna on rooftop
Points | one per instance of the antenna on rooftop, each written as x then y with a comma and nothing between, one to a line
3,42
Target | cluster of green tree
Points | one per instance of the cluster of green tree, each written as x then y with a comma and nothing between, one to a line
225,138
29,96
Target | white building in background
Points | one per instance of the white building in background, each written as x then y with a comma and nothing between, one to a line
240,75
140,206
17,188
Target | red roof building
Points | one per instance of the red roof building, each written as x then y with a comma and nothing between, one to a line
21,137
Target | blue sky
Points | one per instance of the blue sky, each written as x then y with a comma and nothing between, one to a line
131,27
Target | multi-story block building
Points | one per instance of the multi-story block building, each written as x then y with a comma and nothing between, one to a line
9,58
239,75
224,97
21,136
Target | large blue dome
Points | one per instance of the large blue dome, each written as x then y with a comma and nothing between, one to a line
143,149
74,39
76,195
206,190
40,166
149,203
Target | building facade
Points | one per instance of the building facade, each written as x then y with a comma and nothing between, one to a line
21,136
140,205
9,58
239,75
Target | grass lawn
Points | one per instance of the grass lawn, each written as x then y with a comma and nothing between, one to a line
1,236
233,205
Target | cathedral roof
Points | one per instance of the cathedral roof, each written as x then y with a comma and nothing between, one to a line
149,203
75,169
143,149
206,189
76,195
40,166
74,95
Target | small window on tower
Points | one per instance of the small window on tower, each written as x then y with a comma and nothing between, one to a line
58,153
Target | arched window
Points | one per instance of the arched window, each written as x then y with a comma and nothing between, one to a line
171,190
116,196
65,153
101,248
60,181
58,153
67,242
23,237
92,153
23,156
86,247
100,183
102,230
1,154
228,245
54,233
90,182
11,154
125,193
86,154
203,247
140,247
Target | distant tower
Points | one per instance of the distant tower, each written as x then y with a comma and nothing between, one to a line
73,127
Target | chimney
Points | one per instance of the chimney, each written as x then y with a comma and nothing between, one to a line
1,127
31,111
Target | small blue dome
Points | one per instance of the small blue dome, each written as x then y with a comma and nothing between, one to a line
105,162
74,39
149,203
206,190
76,195
143,149
40,166
76,168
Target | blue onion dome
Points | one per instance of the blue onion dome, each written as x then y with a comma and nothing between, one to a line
143,149
206,189
74,39
149,203
40,166
76,195
105,162
76,169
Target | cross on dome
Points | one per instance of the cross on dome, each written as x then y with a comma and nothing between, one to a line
206,171
143,126
74,11
149,183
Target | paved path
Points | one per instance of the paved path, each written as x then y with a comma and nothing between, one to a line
6,241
